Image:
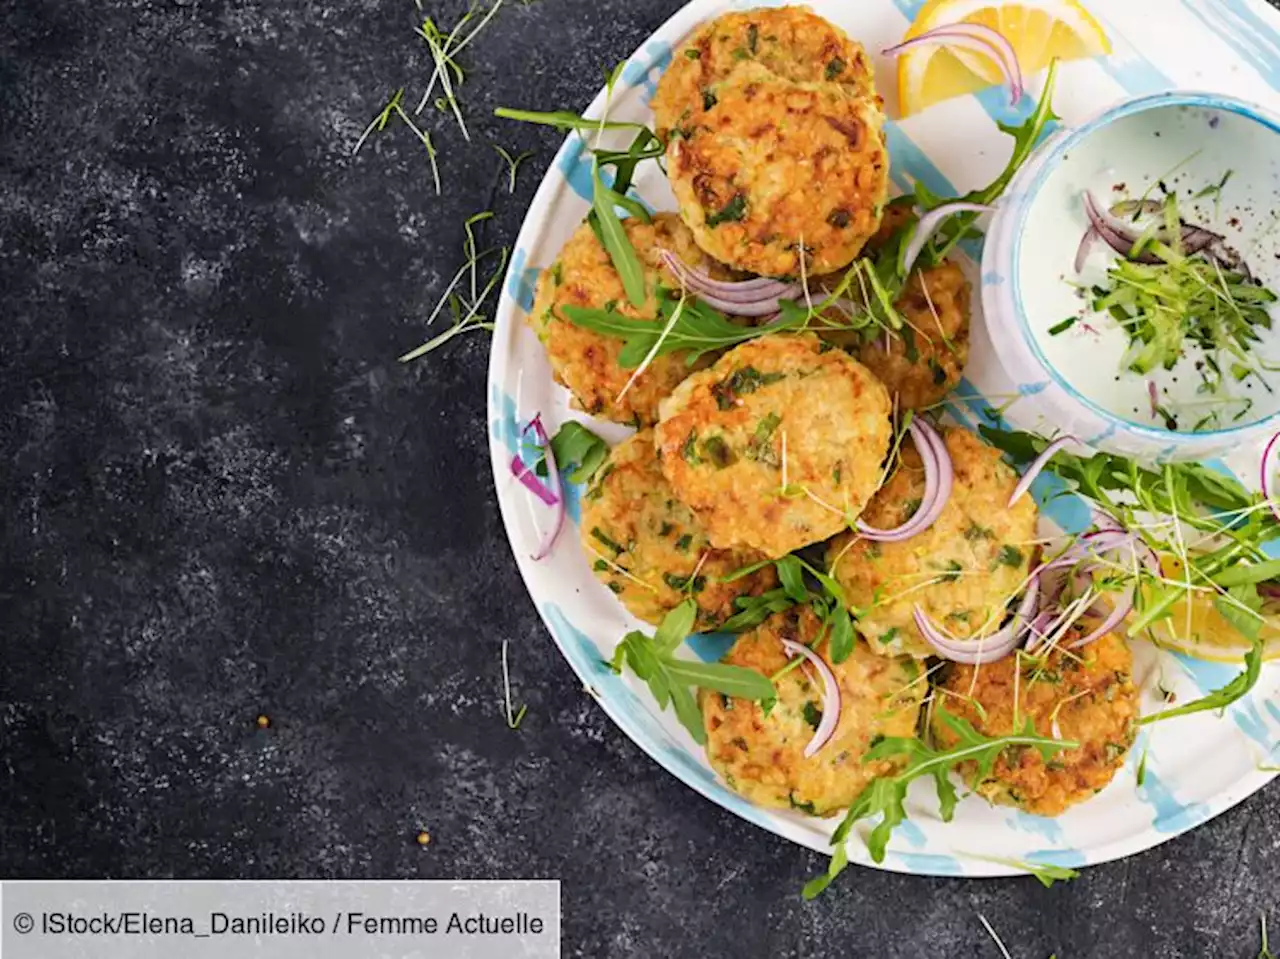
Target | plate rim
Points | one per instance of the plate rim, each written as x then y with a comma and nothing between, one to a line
508,323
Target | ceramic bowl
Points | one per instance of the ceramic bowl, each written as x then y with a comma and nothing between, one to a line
1072,381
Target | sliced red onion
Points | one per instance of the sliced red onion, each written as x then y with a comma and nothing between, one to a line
758,297
553,475
1153,395
1123,605
972,36
1265,483
1119,236
1086,244
1059,622
930,223
1037,465
980,650
939,476
529,480
830,696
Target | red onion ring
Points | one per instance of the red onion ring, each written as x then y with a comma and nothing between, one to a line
553,475
1265,483
758,297
529,480
930,223
1121,235
1037,465
1086,244
1117,235
972,36
830,696
1119,611
980,650
939,475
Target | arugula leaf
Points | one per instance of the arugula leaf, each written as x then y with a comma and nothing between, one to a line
736,681
791,574
887,795
754,610
1179,488
1235,690
614,238
676,626
1045,872
842,637
576,446
670,679
698,329
1025,138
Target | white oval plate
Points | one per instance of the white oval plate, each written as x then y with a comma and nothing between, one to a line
1197,766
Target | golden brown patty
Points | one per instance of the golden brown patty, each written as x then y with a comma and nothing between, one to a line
925,360
791,43
650,549
963,570
587,362
766,165
762,757
1091,694
777,444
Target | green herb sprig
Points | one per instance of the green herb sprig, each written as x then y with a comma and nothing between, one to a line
606,198
671,680
379,123
513,164
1026,136
1196,497
1045,873
698,329
887,795
468,292
444,48
577,450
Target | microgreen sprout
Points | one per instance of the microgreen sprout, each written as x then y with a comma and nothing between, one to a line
513,716
994,938
465,307
379,123
513,165
444,48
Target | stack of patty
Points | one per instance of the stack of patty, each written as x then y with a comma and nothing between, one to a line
775,151
775,142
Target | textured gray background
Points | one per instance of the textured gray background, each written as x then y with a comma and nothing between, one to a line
221,497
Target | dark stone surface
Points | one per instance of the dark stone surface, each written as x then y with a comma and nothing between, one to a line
223,498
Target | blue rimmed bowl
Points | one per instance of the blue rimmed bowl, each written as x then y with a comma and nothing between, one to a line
1071,380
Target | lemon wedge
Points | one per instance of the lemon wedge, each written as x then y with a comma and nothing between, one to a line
1039,31
1196,628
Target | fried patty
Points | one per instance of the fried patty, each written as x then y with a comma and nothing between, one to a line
776,446
921,363
1086,695
586,361
790,43
963,570
650,549
762,757
775,142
